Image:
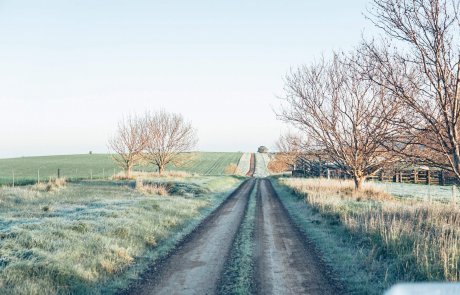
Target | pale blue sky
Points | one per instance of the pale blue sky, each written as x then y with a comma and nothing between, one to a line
69,70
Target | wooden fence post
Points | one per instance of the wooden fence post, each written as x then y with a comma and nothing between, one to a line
429,193
59,173
442,178
13,177
453,195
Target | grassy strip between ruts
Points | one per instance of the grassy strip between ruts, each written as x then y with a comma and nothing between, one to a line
93,237
239,269
371,239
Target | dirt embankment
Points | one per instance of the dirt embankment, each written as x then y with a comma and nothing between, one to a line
196,267
252,166
284,263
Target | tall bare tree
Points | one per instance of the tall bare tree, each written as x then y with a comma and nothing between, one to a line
169,137
128,143
289,148
343,115
421,67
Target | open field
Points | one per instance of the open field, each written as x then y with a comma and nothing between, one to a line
95,236
27,170
398,239
420,191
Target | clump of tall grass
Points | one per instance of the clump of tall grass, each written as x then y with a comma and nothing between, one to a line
423,238
159,189
149,175
53,185
342,188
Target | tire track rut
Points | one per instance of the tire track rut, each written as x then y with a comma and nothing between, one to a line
284,263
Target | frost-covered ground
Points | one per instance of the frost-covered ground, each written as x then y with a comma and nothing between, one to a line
423,191
94,237
262,160
244,164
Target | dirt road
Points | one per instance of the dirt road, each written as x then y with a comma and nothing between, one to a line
196,267
285,264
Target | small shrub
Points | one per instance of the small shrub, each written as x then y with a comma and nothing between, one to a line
231,169
80,227
278,164
158,189
150,241
121,232
53,185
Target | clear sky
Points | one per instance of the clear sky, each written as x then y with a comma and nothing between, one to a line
69,70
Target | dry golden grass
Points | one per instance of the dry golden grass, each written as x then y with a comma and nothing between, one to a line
231,169
338,187
423,237
278,163
53,185
158,189
151,175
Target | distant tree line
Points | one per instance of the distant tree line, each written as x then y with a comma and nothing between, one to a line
158,138
389,100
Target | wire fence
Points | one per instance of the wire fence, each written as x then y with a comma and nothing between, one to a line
27,177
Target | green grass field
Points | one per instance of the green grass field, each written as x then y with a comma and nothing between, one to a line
27,170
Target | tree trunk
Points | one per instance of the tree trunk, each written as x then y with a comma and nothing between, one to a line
359,181
161,169
128,171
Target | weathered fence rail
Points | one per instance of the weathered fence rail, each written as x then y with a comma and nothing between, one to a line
418,176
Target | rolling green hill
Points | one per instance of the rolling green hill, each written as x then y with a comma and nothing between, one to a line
29,169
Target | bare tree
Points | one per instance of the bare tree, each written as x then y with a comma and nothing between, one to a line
343,115
421,67
128,143
169,137
289,148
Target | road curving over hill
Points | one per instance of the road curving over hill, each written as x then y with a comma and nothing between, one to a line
196,266
284,262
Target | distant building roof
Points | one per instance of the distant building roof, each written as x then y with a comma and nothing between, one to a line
262,149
